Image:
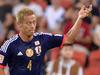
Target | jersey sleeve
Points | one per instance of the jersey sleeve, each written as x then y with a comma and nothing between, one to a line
4,55
53,40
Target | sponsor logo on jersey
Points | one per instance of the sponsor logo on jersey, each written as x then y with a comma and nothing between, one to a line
20,54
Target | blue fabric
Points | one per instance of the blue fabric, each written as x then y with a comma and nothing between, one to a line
17,58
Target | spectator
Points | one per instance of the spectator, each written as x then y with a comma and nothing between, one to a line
10,34
42,3
9,21
42,25
36,8
9,25
98,3
95,28
17,6
96,32
2,34
54,15
4,9
65,65
67,3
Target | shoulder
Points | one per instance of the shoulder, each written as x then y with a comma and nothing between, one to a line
42,33
7,43
49,8
46,34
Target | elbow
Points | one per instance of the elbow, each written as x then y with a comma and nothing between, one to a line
69,41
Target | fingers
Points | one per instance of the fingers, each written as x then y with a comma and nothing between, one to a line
83,8
88,10
85,11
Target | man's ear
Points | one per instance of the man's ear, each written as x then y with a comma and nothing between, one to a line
18,26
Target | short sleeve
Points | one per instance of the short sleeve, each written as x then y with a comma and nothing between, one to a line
4,55
53,40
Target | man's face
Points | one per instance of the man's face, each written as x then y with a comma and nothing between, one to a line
67,52
28,25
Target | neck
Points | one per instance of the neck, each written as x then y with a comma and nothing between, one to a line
25,38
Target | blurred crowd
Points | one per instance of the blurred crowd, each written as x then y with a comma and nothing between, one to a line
57,17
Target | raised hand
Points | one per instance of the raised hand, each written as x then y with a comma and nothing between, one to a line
84,12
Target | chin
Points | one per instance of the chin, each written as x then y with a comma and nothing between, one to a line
30,34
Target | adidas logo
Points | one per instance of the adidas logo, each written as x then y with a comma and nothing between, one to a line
20,54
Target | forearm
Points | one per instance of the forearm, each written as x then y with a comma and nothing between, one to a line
74,31
2,72
84,12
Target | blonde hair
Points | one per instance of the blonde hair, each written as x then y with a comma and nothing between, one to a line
22,13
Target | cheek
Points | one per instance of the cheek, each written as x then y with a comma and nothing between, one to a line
24,28
35,26
17,28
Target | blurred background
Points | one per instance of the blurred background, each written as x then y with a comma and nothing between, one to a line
58,16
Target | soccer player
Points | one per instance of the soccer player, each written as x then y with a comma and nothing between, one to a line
24,53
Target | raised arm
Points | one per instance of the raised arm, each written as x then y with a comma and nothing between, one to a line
84,12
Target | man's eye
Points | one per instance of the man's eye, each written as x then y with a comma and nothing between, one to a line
33,21
28,23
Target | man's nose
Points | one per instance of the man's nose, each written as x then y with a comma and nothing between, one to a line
32,26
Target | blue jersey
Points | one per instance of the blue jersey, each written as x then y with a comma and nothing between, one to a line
26,58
